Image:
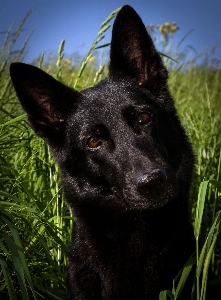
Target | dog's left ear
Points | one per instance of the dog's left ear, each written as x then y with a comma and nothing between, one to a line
133,53
46,101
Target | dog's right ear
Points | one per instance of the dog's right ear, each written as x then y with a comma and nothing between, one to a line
46,101
133,54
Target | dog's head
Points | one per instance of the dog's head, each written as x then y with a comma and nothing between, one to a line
119,143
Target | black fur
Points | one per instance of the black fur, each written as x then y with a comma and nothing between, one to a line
126,166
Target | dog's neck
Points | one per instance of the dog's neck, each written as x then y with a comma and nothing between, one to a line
113,227
127,245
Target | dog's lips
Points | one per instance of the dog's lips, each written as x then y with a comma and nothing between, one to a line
134,201
149,202
108,191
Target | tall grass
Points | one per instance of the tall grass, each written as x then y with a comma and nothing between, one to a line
197,91
36,225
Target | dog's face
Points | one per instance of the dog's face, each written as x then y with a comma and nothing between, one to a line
118,144
118,149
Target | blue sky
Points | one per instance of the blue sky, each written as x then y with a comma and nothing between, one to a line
78,21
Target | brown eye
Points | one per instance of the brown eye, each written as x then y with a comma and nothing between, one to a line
143,118
93,142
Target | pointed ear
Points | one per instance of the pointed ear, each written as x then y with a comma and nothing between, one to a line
132,53
45,100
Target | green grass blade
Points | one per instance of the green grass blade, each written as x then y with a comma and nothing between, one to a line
110,17
200,207
17,32
52,293
207,245
16,204
186,270
163,295
14,250
206,265
8,280
104,29
18,254
40,61
216,184
17,119
102,46
60,57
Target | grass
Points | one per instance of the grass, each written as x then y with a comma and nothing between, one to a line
36,225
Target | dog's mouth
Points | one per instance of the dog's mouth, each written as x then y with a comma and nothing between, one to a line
139,190
108,191
148,191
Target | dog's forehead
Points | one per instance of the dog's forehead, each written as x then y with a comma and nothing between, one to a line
107,98
105,104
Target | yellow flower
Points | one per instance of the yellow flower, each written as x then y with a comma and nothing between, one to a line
173,28
161,29
91,59
73,75
167,24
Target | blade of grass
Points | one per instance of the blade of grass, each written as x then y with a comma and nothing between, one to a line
200,208
17,264
17,119
207,244
103,28
187,268
206,266
18,255
163,295
197,225
8,280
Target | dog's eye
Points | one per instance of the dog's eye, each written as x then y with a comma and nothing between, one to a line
93,142
143,118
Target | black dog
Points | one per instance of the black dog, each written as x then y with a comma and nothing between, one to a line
126,166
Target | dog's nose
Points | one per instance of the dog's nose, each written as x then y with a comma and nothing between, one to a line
151,181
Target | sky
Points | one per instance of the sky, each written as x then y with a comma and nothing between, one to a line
78,21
